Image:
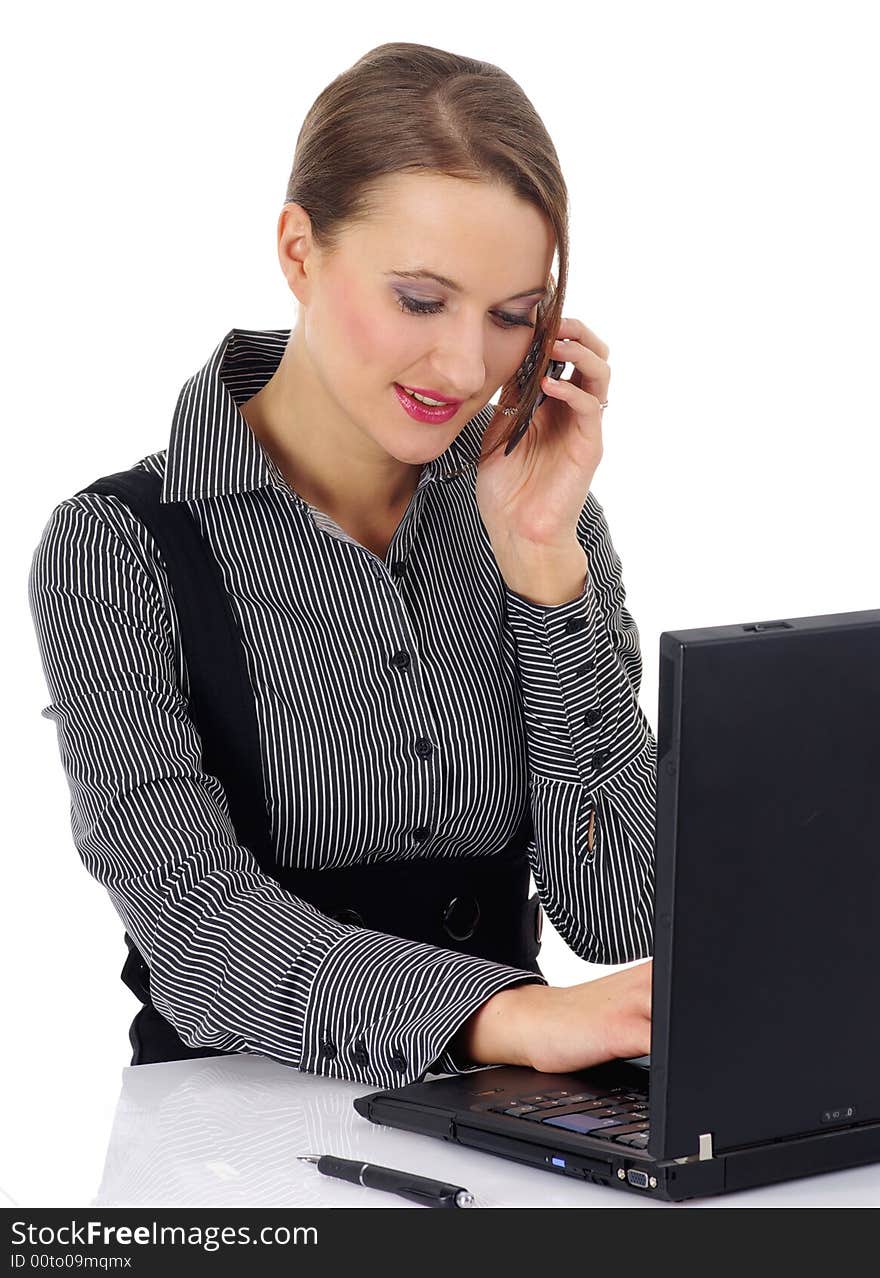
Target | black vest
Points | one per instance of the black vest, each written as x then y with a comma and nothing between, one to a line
475,905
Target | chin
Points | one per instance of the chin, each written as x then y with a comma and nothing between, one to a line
415,452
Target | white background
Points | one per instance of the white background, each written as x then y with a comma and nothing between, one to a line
722,167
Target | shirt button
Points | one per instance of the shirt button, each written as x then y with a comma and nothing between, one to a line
397,567
424,748
586,667
328,1049
398,1061
575,623
593,715
600,758
420,833
360,1053
348,916
401,660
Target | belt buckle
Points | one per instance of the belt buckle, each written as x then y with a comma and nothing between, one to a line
463,927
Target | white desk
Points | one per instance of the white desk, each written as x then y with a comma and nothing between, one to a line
225,1132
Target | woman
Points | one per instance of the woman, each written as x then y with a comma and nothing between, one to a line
433,627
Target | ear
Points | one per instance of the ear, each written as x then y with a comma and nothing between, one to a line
296,250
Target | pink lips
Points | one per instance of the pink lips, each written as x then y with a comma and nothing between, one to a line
432,394
423,412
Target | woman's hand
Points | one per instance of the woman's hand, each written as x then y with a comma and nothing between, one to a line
535,495
558,1029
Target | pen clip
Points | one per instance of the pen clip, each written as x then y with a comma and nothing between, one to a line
447,1196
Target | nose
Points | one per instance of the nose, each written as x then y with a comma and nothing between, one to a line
459,367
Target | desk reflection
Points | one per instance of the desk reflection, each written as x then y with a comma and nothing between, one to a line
225,1132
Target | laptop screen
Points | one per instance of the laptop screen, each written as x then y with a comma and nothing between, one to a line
767,903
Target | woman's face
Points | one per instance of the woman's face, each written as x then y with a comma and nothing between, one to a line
362,337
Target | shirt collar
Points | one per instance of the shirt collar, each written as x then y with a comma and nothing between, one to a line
212,450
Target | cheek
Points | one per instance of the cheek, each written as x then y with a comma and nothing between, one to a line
356,326
356,331
374,337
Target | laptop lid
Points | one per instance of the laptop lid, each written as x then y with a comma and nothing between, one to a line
765,1019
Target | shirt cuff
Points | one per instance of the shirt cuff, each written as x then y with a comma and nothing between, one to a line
382,1009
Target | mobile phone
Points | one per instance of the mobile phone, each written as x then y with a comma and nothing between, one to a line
523,373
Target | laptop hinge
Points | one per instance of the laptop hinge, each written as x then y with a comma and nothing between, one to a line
705,1146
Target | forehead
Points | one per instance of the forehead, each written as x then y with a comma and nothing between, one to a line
469,231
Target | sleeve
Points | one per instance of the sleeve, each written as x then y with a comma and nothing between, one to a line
591,758
236,962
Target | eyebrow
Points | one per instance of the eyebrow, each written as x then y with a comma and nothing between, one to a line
541,290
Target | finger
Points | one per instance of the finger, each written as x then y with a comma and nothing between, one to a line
571,327
579,401
590,369
579,354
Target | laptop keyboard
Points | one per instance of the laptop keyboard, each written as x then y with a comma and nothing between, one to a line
619,1115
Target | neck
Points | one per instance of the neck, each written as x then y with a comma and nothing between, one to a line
317,448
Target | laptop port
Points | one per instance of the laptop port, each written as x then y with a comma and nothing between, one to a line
637,1178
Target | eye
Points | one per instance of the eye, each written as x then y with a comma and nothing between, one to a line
514,321
420,306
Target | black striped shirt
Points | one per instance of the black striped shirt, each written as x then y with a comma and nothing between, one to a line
521,703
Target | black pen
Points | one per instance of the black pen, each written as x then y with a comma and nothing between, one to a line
418,1189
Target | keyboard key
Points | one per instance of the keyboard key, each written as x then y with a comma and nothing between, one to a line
546,1106
579,1122
589,1097
505,1107
638,1140
617,1133
542,1111
586,1106
568,1098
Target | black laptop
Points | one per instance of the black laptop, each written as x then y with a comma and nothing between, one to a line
765,1047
